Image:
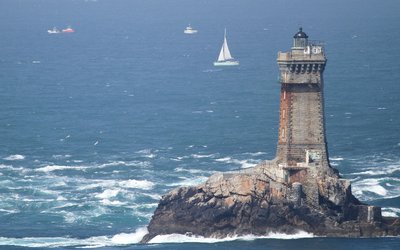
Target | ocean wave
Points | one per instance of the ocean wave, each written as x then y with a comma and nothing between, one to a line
194,171
123,163
336,158
108,193
382,170
391,211
148,153
92,242
368,189
180,238
200,156
58,157
114,203
189,181
256,153
243,163
51,168
137,184
16,157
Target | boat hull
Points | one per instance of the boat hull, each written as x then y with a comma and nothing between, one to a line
190,31
226,63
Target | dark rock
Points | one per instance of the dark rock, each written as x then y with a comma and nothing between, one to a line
264,200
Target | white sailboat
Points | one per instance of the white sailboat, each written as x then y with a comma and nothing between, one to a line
225,58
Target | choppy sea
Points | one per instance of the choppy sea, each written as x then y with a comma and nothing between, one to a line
96,125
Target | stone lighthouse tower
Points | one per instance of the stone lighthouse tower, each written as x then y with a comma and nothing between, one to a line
302,139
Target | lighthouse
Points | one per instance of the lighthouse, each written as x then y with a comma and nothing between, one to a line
302,139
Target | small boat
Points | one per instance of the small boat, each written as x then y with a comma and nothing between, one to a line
54,31
190,30
225,58
68,30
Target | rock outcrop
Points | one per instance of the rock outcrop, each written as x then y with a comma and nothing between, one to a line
270,197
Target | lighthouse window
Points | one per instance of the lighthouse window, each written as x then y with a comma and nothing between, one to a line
283,113
283,133
284,95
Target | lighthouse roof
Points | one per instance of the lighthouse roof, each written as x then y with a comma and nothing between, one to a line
300,34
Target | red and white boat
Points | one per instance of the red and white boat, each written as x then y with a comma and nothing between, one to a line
68,30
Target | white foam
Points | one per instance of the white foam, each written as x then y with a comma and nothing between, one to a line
336,158
140,184
5,166
148,153
132,238
108,193
112,203
389,214
51,168
180,238
193,171
243,163
382,170
92,242
189,181
123,163
199,156
257,153
14,157
391,211
363,186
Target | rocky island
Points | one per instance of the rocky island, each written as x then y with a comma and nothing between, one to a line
296,191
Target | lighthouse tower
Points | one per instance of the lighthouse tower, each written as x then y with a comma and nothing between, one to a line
302,140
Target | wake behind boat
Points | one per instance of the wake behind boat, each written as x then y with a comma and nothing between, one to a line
225,58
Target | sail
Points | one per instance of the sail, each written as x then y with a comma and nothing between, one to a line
227,53
221,56
224,54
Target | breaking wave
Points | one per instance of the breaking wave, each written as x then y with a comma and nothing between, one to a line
248,163
14,157
180,238
92,242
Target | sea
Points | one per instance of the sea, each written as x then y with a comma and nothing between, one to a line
96,125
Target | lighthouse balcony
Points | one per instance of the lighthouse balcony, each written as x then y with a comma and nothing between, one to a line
300,56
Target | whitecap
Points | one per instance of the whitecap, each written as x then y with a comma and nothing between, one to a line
189,181
180,238
61,156
9,211
243,163
92,242
51,168
383,170
16,157
5,166
200,156
336,158
369,185
153,196
193,171
256,153
391,211
107,202
132,238
148,153
140,184
108,193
